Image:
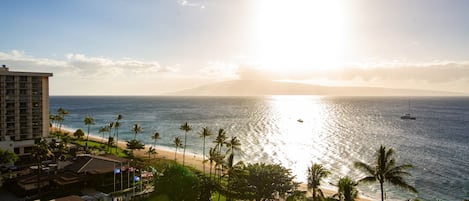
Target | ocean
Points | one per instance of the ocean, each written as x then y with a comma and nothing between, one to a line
298,130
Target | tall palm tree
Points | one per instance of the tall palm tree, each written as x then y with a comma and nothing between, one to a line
88,121
177,143
104,130
233,144
205,132
315,174
385,169
116,128
40,152
232,170
61,113
212,155
186,128
347,189
136,129
151,151
155,136
220,140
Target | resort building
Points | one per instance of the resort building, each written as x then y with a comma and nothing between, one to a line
24,109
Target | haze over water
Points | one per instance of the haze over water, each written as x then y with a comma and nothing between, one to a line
336,131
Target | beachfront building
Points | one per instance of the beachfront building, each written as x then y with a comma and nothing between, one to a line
24,109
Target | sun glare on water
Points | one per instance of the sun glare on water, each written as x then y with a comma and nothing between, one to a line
300,35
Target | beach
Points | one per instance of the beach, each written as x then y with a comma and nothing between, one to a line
193,160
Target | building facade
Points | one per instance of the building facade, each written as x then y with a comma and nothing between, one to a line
24,109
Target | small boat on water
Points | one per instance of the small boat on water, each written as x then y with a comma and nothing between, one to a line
300,120
408,117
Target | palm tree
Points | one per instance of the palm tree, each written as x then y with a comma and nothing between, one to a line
186,128
233,144
315,174
205,132
212,155
61,116
385,169
233,170
151,151
177,143
40,152
220,140
155,136
88,121
103,130
347,189
116,128
136,129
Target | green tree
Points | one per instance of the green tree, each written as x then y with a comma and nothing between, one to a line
232,170
156,136
212,157
266,181
220,140
39,153
136,129
7,157
347,189
178,183
233,144
116,126
60,117
316,173
177,143
135,144
103,130
88,121
205,132
79,133
384,169
151,151
186,128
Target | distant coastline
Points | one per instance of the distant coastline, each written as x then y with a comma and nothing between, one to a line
260,88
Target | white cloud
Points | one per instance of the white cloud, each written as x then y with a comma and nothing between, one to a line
220,70
190,4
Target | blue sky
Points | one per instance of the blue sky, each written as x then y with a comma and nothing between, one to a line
117,47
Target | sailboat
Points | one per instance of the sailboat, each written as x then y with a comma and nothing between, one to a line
408,116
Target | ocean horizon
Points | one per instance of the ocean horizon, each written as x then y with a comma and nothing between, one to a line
295,131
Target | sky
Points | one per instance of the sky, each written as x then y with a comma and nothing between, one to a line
154,47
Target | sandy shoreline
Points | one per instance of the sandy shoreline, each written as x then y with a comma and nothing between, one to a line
191,159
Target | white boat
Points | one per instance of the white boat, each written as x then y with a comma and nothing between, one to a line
408,117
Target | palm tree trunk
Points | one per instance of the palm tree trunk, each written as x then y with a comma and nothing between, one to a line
175,154
314,194
203,161
382,191
185,143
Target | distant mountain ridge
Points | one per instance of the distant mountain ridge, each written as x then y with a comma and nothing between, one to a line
261,88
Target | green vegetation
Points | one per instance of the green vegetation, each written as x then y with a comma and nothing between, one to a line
315,174
384,169
186,128
7,157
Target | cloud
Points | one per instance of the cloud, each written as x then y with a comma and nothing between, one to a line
81,65
431,72
189,3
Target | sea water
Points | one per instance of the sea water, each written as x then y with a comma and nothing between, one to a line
296,131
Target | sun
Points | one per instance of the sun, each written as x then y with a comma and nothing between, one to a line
300,35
